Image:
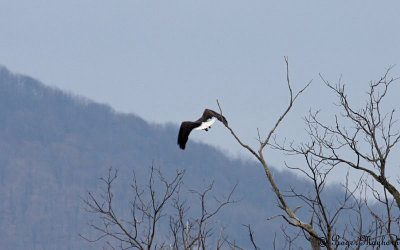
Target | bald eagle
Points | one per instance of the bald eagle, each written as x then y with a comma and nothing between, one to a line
203,123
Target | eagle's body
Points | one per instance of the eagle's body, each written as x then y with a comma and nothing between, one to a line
203,123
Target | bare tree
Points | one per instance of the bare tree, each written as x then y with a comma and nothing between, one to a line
289,214
370,135
362,139
152,202
329,148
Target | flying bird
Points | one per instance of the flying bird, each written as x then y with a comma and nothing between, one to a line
203,123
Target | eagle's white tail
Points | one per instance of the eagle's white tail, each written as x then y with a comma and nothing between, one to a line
207,124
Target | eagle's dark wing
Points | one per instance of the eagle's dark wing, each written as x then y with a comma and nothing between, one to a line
184,131
208,113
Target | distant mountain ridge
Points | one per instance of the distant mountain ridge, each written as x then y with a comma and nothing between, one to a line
54,146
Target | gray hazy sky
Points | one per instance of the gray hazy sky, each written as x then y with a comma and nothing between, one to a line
168,60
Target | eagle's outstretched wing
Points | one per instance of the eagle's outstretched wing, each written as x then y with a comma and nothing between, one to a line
208,113
184,131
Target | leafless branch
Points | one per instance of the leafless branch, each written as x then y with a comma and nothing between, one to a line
149,205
